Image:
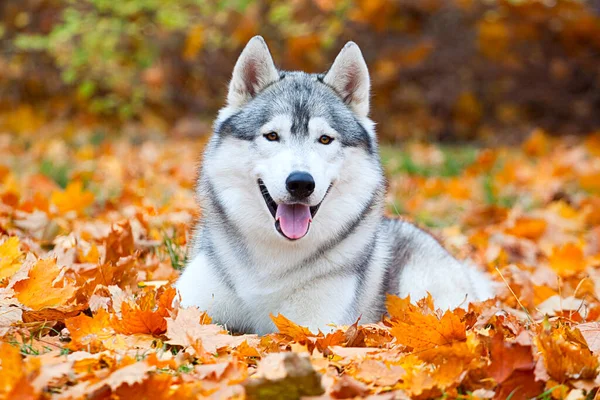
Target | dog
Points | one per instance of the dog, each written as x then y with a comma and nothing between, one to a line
291,191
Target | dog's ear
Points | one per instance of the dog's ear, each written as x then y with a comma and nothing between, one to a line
349,77
252,72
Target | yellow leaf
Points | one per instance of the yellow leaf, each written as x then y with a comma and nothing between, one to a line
73,198
10,254
193,42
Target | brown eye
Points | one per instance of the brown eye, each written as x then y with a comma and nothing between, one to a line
324,139
271,136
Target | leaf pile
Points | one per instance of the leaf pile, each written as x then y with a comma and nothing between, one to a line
93,233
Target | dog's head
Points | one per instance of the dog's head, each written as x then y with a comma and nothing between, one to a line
294,155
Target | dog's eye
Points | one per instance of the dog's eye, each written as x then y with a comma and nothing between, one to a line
324,139
271,136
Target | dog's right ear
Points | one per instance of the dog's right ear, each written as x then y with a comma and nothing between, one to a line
252,72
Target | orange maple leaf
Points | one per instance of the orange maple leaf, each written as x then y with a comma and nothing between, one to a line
134,320
119,242
397,307
148,314
90,331
529,228
567,260
73,198
291,329
336,338
246,351
451,361
45,286
412,328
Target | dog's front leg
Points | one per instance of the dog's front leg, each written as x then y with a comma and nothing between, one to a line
322,302
201,285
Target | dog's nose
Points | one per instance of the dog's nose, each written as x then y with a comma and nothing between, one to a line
300,184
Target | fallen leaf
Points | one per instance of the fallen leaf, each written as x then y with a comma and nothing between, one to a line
422,332
185,329
289,328
566,355
567,260
529,228
591,333
10,254
90,332
44,277
378,373
73,198
506,358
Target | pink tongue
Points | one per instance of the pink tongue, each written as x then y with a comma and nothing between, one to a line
293,219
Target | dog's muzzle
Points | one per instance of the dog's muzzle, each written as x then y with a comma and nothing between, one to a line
292,220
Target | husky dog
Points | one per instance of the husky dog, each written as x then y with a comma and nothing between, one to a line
292,196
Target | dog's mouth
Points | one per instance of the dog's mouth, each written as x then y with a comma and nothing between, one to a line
292,221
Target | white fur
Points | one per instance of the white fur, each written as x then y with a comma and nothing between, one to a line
270,274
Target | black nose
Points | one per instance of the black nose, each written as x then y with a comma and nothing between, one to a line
300,184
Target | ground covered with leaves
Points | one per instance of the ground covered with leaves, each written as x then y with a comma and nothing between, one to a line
93,232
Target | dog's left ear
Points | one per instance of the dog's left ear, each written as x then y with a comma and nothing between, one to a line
252,72
349,77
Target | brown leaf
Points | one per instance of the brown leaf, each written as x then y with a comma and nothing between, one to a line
591,333
348,388
506,358
378,373
119,242
521,385
185,329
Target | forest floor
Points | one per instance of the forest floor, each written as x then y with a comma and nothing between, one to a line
93,232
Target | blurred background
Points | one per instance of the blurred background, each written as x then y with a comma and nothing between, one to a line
448,70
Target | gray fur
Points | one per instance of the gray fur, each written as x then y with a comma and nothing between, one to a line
304,96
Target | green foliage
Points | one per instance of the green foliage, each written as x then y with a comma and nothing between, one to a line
58,173
102,47
176,253
455,160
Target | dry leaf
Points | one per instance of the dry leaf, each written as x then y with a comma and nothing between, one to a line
44,277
